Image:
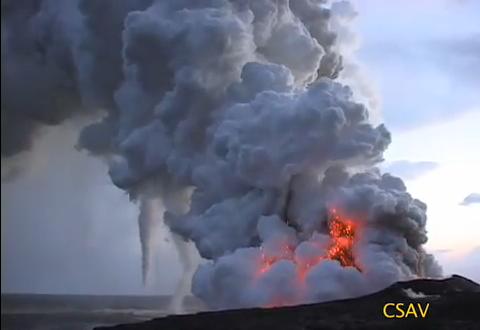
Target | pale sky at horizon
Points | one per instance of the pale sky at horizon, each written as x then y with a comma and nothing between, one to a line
423,57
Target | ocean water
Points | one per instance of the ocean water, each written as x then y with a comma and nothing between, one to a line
82,312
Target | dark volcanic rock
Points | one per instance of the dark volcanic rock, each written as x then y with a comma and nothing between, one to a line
454,303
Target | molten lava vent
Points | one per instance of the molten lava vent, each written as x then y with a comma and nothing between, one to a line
342,230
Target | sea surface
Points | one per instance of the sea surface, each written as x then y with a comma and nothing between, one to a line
82,312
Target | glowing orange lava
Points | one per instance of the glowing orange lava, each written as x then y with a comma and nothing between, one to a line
267,262
342,232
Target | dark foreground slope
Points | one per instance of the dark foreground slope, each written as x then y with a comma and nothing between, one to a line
454,304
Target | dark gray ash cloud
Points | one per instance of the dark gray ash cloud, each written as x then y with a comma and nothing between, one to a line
59,59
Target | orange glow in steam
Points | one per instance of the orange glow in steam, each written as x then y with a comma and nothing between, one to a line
342,231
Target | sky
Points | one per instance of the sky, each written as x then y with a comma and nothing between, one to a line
421,57
73,231
424,60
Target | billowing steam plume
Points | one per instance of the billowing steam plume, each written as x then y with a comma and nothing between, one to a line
232,111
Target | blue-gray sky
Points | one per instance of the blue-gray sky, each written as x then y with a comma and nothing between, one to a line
69,230
424,57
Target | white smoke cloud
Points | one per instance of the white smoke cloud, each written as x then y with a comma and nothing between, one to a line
388,249
221,110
